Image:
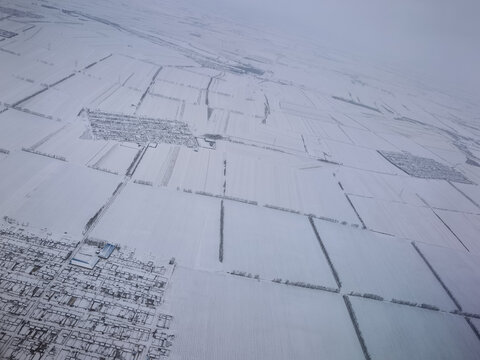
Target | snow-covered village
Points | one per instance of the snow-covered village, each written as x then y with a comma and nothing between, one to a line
178,185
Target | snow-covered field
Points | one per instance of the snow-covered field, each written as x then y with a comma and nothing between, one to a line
52,194
459,272
315,206
165,223
274,245
403,332
370,263
242,318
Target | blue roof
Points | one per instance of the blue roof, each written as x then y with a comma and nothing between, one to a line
106,251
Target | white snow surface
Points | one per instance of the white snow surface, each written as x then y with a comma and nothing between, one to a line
281,133
282,322
402,332
459,271
382,265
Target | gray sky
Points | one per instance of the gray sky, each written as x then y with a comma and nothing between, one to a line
438,38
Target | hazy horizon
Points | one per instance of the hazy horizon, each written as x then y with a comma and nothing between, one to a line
436,39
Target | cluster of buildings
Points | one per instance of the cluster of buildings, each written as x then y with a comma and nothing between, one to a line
424,168
139,129
52,307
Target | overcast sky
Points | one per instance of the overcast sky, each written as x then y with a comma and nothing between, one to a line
438,38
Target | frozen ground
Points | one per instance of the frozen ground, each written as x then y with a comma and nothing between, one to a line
309,205
398,332
284,322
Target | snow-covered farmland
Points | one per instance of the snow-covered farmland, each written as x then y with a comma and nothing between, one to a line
65,100
406,221
242,318
164,223
48,193
404,332
371,263
115,158
459,272
308,205
465,226
19,129
68,144
273,244
181,168
272,179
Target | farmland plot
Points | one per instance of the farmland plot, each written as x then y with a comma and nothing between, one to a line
328,129
250,130
18,129
370,263
200,170
22,179
68,143
124,71
316,147
451,157
60,197
152,168
473,173
157,107
291,97
471,192
67,99
476,323
250,174
360,158
115,157
459,272
387,187
246,319
13,89
11,26
420,192
176,92
47,47
368,139
117,99
164,223
440,194
249,107
182,168
411,222
40,72
465,226
196,116
394,331
184,77
273,244
321,195
404,143
216,123
237,86
302,187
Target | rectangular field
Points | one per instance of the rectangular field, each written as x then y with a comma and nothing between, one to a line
370,263
226,317
287,182
273,244
460,273
164,224
393,331
407,221
465,226
18,129
52,194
